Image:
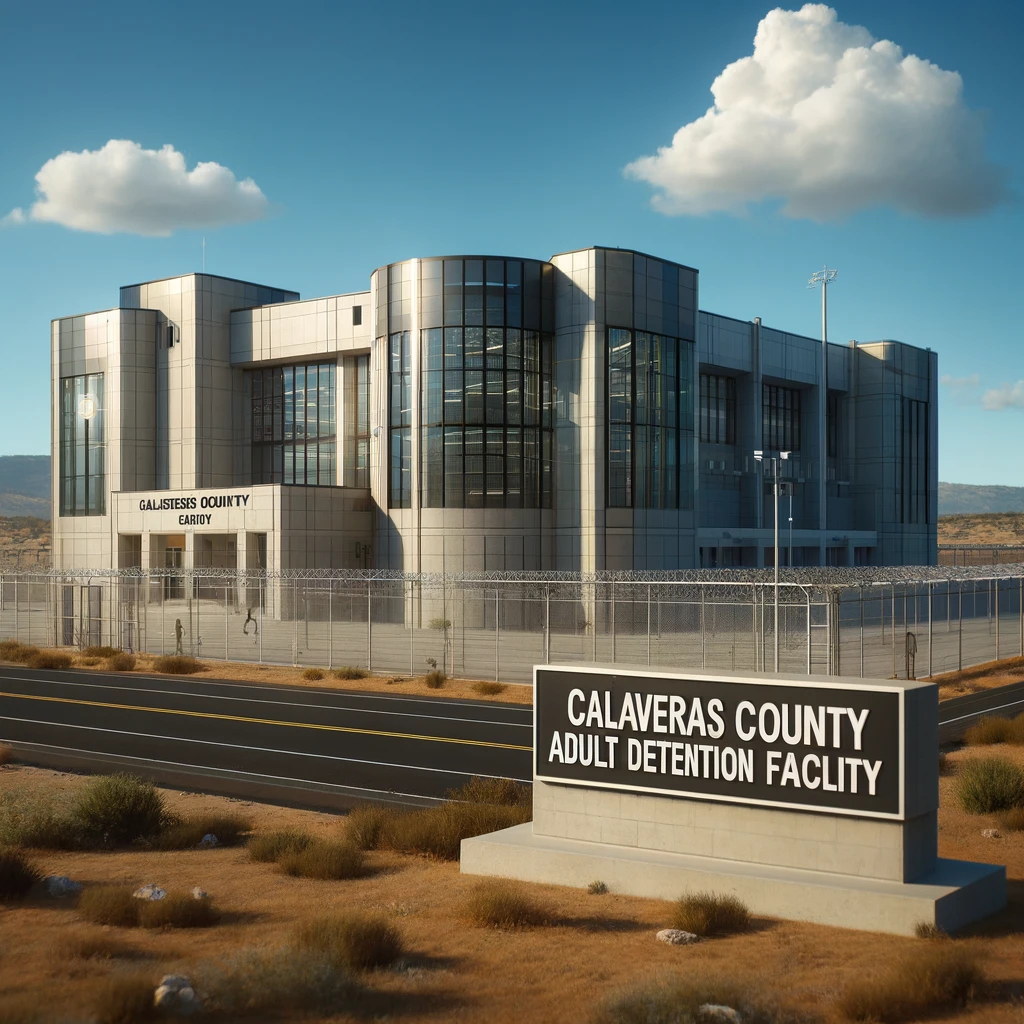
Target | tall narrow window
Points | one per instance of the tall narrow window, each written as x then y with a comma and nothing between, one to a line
649,410
357,421
780,418
717,409
400,362
834,422
914,482
83,446
294,431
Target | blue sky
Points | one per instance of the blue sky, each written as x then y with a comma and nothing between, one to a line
378,132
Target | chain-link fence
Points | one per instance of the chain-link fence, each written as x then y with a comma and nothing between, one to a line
878,623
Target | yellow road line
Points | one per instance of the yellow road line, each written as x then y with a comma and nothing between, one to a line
267,721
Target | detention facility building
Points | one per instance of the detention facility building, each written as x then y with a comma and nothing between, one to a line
480,414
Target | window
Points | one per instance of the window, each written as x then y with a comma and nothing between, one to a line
357,316
294,435
914,481
649,412
82,446
780,418
357,421
400,363
717,409
834,423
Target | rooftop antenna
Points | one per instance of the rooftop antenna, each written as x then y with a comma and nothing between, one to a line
824,278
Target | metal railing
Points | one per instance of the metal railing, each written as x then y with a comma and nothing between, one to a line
900,622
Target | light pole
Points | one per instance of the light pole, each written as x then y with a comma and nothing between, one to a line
823,277
760,457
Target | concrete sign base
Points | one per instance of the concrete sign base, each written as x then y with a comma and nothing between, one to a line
950,896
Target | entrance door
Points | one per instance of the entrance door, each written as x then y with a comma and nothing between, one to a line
174,583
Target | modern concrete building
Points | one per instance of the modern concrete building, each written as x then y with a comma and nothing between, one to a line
480,413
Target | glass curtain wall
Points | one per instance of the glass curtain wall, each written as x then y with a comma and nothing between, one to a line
83,443
717,409
650,414
357,421
294,432
400,362
913,498
780,418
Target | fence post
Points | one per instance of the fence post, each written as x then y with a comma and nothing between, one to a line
613,620
892,622
648,625
1020,610
807,594
931,587
497,636
995,588
703,652
753,626
330,624
369,627
547,624
960,626
260,589
861,588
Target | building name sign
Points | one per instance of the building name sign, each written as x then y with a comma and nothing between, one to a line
206,501
790,744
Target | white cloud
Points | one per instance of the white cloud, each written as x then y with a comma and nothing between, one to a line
948,381
1006,396
830,121
123,187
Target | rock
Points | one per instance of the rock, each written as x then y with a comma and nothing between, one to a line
677,937
209,840
61,885
150,892
714,1013
175,994
199,894
991,833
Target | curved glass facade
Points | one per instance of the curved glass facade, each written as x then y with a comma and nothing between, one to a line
485,425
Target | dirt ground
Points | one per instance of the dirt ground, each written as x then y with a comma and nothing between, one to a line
597,946
980,677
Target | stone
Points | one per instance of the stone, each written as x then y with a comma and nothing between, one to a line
176,995
150,892
199,894
175,982
715,1013
209,840
991,833
61,885
677,937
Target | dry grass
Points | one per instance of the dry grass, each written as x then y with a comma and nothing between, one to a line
177,665
496,903
19,653
366,826
121,662
434,679
994,729
17,874
489,688
709,914
6,754
86,661
501,792
101,651
353,942
985,785
314,675
329,861
54,660
124,999
1011,820
111,905
597,888
118,809
92,945
270,847
350,672
186,833
177,910
38,825
933,979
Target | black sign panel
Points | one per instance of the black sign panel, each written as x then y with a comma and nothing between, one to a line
794,744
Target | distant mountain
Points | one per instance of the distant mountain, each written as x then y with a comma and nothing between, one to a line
957,499
25,485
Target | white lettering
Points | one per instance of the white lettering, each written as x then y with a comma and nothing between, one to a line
576,695
717,727
857,721
745,708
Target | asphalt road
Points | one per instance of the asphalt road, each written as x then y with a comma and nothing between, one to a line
313,747
317,748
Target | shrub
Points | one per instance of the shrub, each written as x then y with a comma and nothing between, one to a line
351,940
503,792
87,662
50,660
434,679
707,914
6,754
931,979
111,905
177,665
988,730
488,689
496,903
124,999
597,888
184,834
17,875
944,765
101,651
177,910
368,826
1011,820
95,946
269,847
927,930
324,860
439,831
257,981
38,825
16,651
350,672
118,809
679,1000
988,784
313,674
121,662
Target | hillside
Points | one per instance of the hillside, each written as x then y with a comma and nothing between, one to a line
957,499
982,528
24,542
25,485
